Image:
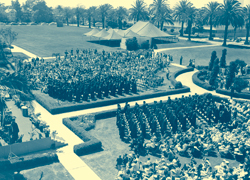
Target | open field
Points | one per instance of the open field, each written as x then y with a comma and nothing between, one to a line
45,40
202,55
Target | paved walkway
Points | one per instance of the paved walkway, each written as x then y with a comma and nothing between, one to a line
74,164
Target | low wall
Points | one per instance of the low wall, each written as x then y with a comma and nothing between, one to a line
29,147
76,107
235,94
177,73
200,83
90,144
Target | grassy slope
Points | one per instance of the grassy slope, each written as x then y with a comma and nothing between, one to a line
45,40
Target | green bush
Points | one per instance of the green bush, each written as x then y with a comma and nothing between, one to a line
132,44
145,44
240,84
91,144
88,147
178,85
80,132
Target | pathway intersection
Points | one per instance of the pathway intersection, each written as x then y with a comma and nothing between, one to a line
78,169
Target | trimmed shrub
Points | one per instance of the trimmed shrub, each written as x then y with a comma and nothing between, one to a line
178,85
214,73
211,63
91,144
145,44
172,30
223,58
231,74
80,132
88,147
132,44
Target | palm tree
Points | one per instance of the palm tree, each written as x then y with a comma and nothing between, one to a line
191,12
93,14
104,10
199,20
121,13
180,12
78,12
161,12
89,16
138,11
247,21
237,22
67,14
229,11
210,13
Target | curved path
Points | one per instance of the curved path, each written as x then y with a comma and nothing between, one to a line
74,164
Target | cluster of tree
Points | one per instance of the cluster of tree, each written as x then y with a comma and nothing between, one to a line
230,12
232,81
215,64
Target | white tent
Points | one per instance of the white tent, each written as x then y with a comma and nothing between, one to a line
92,32
113,36
101,34
149,30
110,30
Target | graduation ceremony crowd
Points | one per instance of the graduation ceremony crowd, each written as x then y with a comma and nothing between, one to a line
198,126
87,73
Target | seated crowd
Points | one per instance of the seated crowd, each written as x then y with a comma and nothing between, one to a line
92,74
195,126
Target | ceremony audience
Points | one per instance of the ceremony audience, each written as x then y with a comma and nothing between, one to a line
197,126
91,74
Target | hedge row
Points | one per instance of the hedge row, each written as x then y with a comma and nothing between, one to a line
177,73
75,107
91,144
200,83
236,94
28,162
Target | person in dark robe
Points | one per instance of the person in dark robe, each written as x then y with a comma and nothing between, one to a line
14,130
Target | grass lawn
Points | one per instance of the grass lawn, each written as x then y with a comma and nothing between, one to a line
54,103
183,43
55,171
202,55
45,40
103,163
